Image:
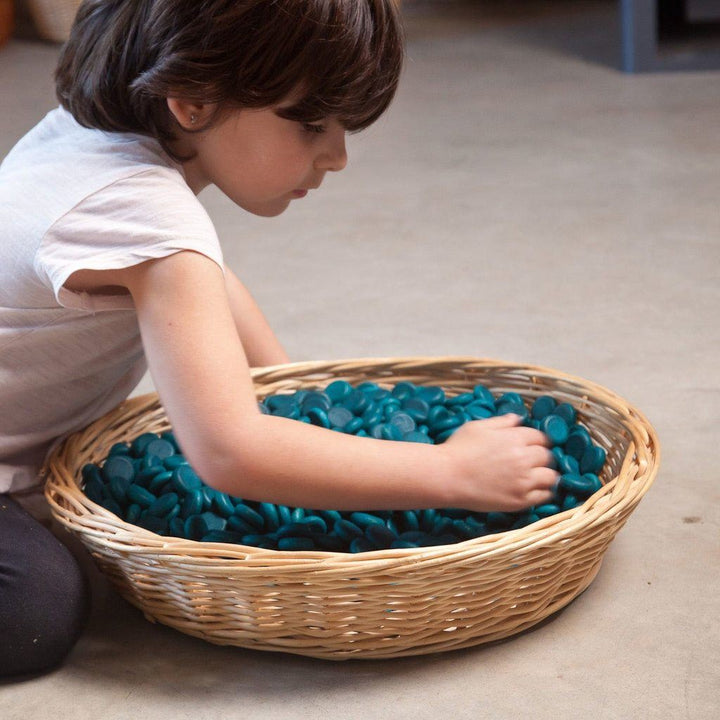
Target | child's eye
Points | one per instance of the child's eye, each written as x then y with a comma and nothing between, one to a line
316,128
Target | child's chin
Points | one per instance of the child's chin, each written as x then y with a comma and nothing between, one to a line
268,209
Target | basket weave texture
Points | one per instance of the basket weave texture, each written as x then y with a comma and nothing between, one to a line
381,604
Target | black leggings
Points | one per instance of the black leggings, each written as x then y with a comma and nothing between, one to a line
44,597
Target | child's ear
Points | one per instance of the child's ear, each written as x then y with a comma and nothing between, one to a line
190,115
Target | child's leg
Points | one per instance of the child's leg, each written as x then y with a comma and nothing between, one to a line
43,595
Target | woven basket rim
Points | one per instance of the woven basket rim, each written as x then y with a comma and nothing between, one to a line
131,539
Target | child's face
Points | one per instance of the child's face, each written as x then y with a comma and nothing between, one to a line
262,161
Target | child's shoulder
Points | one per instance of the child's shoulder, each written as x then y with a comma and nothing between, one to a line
67,165
59,144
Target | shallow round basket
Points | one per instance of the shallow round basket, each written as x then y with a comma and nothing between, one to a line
379,604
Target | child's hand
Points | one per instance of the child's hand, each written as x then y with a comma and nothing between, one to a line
499,465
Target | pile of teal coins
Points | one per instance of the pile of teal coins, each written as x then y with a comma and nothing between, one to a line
149,483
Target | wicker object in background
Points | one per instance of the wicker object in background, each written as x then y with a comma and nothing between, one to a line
379,604
53,18
7,20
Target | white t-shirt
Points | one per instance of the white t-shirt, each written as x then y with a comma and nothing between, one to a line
70,199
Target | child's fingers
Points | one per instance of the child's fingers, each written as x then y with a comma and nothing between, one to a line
540,456
545,478
502,421
511,420
545,481
530,436
539,497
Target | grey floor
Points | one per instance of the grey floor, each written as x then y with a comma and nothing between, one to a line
521,200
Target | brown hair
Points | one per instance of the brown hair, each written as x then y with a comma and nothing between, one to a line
125,57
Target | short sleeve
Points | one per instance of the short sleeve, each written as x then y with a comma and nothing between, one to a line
149,215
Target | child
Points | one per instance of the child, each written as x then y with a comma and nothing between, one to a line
109,261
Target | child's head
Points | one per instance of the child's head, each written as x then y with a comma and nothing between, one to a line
124,58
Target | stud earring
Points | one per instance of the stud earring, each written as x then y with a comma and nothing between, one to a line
193,119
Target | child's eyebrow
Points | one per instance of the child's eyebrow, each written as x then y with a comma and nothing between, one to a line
301,110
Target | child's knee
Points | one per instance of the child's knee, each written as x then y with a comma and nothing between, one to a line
44,603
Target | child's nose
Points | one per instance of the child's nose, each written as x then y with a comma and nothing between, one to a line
334,155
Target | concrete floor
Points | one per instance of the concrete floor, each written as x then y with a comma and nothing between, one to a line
521,200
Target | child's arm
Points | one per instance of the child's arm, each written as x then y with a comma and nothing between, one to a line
259,341
202,376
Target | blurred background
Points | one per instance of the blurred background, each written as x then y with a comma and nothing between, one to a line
543,190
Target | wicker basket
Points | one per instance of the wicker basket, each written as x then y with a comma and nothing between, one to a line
379,604
53,18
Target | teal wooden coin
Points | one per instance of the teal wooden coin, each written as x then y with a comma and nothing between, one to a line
141,496
209,521
347,530
510,397
417,436
295,529
555,427
577,485
118,489
236,524
354,425
460,399
432,395
174,461
416,408
592,460
153,523
478,410
160,448
185,479
373,415
159,482
363,519
338,390
403,390
403,545
283,406
484,396
340,416
133,513
380,535
578,442
570,502
192,504
567,412
389,431
223,536
163,505
295,543
543,511
316,400
318,417
361,544
403,422
568,464
543,406
357,402
258,519
138,445
110,504
119,449
119,466
269,514
223,505
284,514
